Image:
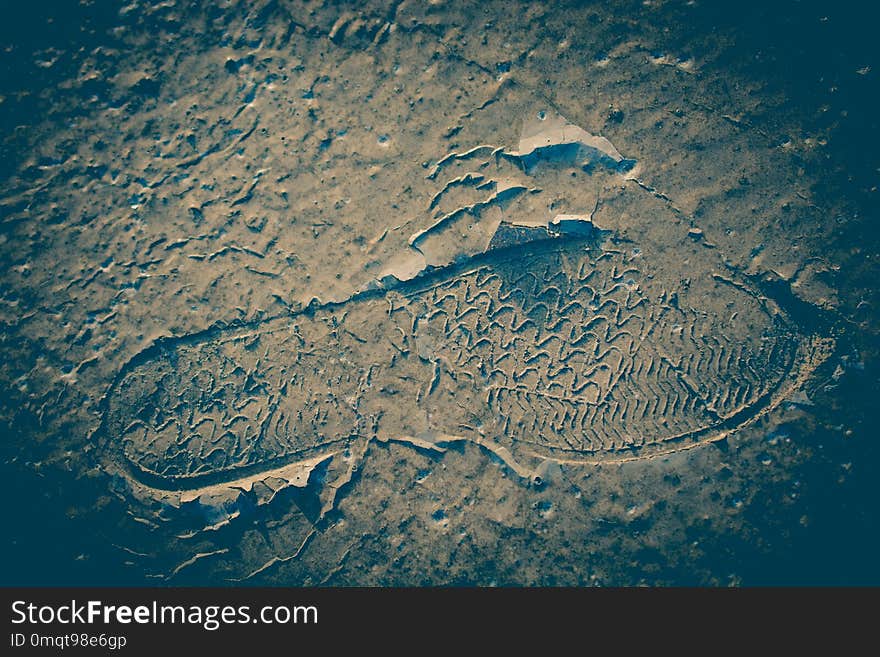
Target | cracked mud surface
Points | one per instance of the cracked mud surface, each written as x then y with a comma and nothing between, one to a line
417,293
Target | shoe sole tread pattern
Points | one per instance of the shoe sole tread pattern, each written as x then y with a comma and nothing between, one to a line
567,350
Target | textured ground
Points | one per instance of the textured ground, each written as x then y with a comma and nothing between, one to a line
283,301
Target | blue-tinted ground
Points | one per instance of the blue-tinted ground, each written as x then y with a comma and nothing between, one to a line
791,500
